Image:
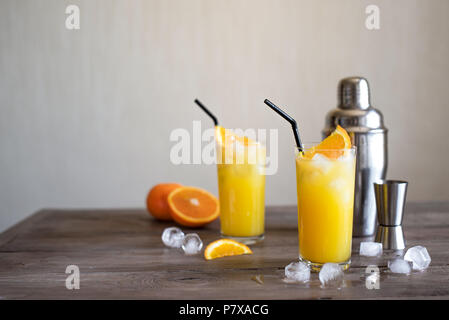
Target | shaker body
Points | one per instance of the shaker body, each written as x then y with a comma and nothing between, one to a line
371,166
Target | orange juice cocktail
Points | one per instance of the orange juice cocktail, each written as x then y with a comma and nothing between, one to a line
241,186
325,180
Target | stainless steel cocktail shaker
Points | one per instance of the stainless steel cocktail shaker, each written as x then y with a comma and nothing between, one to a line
367,131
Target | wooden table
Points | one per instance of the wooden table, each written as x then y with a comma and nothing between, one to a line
120,256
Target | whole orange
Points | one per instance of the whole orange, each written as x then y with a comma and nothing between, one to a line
157,204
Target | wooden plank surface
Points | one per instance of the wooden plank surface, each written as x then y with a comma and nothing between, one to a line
120,256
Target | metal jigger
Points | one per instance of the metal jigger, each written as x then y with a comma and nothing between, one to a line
390,201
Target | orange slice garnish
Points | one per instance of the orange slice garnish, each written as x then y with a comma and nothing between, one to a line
226,137
192,207
235,149
332,146
225,248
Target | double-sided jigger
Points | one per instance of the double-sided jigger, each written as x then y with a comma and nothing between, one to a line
390,202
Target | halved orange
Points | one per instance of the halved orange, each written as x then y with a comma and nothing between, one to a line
225,248
332,146
192,207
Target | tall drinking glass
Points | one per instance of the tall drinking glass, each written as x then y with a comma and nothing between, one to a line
241,187
325,189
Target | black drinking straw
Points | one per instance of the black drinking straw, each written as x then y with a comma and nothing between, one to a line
289,119
210,114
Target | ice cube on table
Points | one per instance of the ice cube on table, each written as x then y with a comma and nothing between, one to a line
419,257
370,249
373,278
331,273
192,244
172,237
297,271
400,266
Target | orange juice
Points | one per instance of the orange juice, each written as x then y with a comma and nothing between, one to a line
325,190
241,187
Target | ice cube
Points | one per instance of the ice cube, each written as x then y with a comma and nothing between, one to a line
297,271
346,156
372,280
370,249
172,237
419,256
338,184
322,162
400,266
331,273
192,244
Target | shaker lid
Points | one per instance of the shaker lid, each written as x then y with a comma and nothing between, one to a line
353,93
354,111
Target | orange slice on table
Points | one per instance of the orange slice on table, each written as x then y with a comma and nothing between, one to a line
332,146
192,207
225,248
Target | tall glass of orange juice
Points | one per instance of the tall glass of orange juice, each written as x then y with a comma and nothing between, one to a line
241,186
325,180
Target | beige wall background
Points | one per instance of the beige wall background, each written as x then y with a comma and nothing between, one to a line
86,115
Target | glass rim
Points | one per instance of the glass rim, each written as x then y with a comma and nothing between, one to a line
253,143
307,146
